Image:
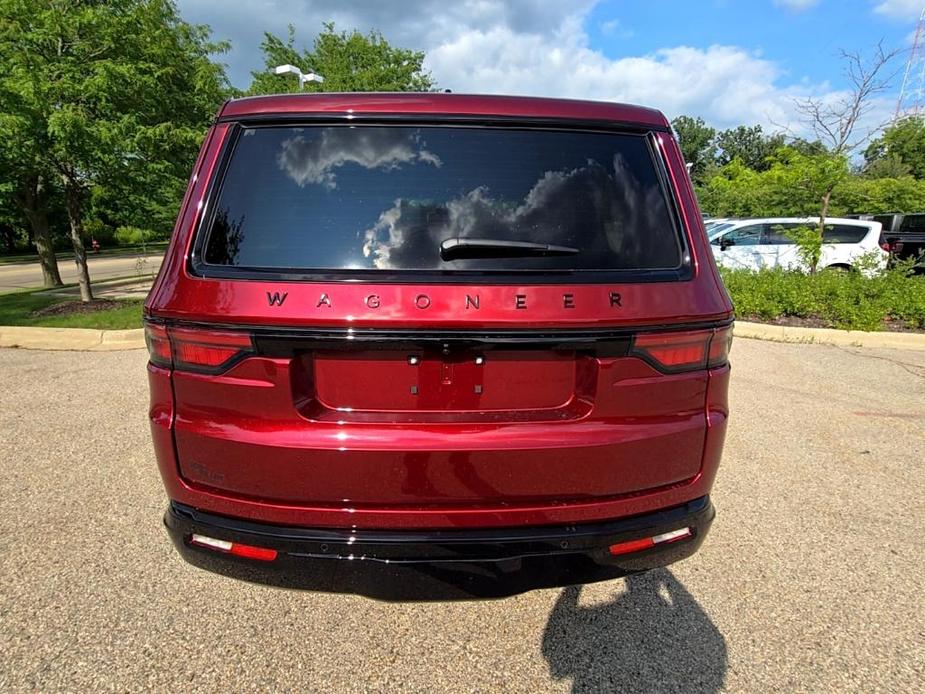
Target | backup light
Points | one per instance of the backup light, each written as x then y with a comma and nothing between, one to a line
647,542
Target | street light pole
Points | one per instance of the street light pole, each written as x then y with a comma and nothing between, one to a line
303,77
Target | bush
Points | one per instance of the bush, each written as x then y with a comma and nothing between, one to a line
102,232
132,236
841,299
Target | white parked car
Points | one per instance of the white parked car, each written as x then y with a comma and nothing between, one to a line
754,244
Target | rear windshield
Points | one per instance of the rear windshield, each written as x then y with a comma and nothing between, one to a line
371,198
844,233
913,223
887,220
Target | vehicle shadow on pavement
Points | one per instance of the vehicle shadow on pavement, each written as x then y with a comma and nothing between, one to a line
652,637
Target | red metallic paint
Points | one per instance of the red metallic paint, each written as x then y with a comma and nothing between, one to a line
310,441
442,104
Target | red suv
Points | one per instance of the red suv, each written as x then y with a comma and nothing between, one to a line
436,345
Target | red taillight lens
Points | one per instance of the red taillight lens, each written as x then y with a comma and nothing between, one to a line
647,542
684,351
206,349
195,350
235,548
158,344
720,346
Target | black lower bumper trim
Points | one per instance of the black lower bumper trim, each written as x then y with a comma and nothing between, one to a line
438,564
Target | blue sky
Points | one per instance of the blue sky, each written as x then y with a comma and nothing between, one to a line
729,61
803,38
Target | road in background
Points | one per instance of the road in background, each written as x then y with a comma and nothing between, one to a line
16,276
811,580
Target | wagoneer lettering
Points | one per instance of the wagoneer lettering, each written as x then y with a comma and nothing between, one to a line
276,298
444,394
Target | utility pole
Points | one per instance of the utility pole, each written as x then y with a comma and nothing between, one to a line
911,100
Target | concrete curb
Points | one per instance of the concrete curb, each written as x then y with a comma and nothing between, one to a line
81,339
830,336
77,339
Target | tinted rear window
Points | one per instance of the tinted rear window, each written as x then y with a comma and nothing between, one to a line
844,233
887,220
385,198
913,223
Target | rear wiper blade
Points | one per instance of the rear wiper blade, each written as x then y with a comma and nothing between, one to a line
460,248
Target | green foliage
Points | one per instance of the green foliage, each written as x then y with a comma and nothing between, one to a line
879,195
107,87
108,101
133,236
808,241
749,145
793,185
890,165
804,179
99,231
348,61
901,144
850,300
737,191
695,138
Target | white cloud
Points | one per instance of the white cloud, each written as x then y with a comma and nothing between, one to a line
314,160
725,84
614,27
905,10
796,5
561,205
531,47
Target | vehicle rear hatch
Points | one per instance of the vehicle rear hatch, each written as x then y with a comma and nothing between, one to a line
397,316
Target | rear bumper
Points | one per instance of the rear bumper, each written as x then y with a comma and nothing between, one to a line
438,564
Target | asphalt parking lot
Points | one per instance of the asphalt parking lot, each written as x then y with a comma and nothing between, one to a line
812,578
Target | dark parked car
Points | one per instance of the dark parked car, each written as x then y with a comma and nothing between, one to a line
436,345
903,235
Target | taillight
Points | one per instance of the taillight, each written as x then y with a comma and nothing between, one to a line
720,346
648,542
236,548
158,344
884,244
689,350
192,349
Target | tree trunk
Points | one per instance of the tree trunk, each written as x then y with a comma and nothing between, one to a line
822,214
33,202
75,217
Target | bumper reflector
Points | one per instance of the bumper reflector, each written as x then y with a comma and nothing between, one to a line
235,548
647,542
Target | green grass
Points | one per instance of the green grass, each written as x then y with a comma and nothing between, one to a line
16,309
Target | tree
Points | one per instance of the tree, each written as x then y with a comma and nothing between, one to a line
695,138
888,165
880,195
104,91
835,124
736,191
902,144
800,181
348,61
748,144
26,181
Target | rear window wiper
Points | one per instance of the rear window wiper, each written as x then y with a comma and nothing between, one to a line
460,248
